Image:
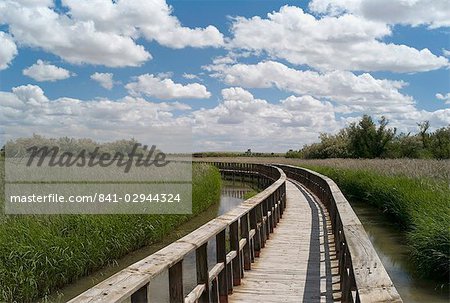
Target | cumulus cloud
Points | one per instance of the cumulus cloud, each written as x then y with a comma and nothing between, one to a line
131,17
26,110
434,13
238,122
151,85
345,42
348,90
44,71
190,76
82,35
8,50
104,79
241,121
444,97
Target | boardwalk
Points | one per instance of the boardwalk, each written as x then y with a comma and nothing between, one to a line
298,262
284,244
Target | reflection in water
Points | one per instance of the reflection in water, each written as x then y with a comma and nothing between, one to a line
389,242
232,196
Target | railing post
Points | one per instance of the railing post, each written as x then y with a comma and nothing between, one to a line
262,226
257,236
245,235
201,256
266,213
176,283
278,206
271,208
221,256
141,295
234,245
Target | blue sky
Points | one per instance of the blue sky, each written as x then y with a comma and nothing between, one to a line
234,74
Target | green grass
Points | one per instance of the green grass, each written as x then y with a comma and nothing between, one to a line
420,207
39,254
250,194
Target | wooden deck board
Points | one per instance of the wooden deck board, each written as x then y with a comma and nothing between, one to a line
298,263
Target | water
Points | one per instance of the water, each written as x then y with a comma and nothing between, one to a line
389,242
232,195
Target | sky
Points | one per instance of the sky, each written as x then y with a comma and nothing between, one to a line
267,75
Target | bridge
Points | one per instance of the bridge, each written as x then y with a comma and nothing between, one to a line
298,240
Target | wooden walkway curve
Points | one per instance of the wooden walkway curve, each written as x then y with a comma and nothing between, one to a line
298,263
298,240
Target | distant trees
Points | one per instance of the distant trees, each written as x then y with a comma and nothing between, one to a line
367,139
18,147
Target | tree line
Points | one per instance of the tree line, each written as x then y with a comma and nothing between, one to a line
20,147
367,139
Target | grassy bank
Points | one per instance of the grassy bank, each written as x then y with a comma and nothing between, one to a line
420,206
41,253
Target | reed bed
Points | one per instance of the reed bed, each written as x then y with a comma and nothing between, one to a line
39,254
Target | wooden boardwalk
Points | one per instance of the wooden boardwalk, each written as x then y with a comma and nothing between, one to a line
265,259
298,263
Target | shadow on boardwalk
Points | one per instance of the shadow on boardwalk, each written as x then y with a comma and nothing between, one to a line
298,263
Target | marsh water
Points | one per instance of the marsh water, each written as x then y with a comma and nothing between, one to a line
232,195
389,242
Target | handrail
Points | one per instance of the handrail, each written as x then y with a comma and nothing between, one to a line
363,276
248,227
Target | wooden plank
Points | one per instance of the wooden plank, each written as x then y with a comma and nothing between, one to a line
230,256
215,271
195,294
201,257
234,245
289,268
176,283
360,266
242,243
140,296
251,233
245,236
221,258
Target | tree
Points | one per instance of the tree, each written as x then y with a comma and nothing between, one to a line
440,143
423,128
366,141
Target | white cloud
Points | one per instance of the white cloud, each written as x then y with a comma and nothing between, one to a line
153,86
446,52
435,13
445,98
44,71
345,88
30,95
190,76
8,50
238,122
242,121
104,79
83,35
153,19
73,40
26,110
345,42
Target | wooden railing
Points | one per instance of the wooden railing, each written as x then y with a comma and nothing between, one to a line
239,235
362,274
